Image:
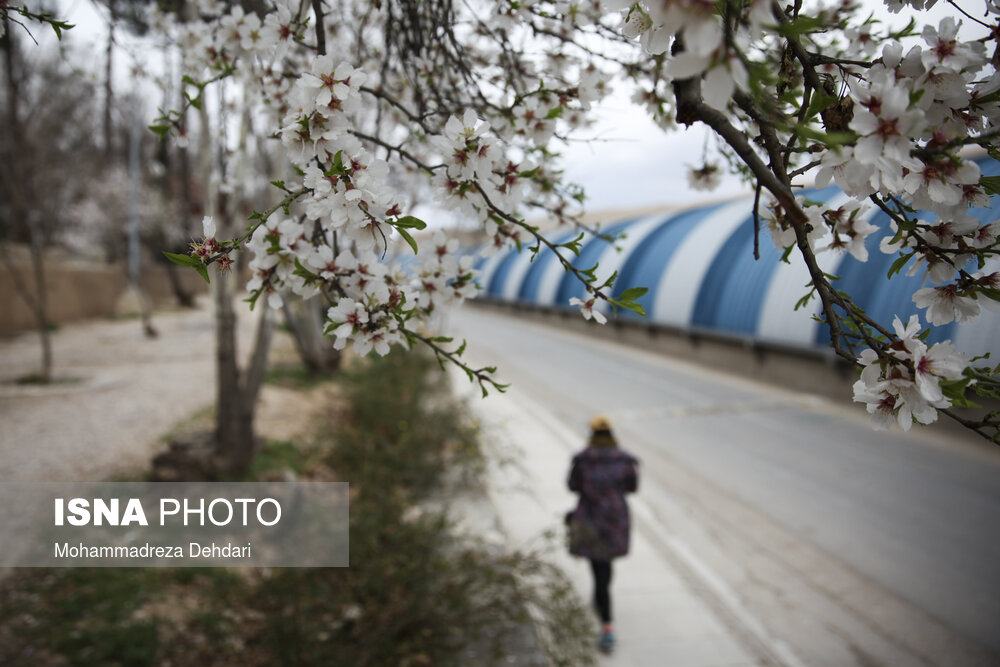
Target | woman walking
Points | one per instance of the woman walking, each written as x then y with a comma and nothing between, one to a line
599,526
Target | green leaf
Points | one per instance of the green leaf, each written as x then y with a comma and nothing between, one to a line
987,99
303,272
182,259
804,301
188,260
338,164
203,272
160,131
898,265
59,26
991,184
409,222
252,300
554,112
820,101
908,31
990,293
574,245
632,293
799,27
409,239
826,138
634,307
787,254
954,390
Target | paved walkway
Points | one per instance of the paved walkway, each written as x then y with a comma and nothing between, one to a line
661,615
131,390
121,393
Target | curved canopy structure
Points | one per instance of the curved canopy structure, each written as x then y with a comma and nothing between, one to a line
699,266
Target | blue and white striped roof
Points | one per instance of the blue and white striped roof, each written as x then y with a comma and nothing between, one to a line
699,267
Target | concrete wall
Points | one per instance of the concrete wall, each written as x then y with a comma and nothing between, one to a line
815,372
799,370
78,290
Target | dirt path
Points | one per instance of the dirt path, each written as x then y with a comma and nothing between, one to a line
126,393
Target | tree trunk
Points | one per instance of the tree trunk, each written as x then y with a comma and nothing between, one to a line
20,189
135,193
108,88
178,171
236,401
305,322
236,405
234,419
234,414
41,306
237,392
185,298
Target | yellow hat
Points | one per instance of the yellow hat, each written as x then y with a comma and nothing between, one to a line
600,423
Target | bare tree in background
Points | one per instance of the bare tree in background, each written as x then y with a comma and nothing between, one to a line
47,161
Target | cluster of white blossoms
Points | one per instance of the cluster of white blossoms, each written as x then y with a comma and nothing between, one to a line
898,134
342,230
912,114
706,54
705,177
906,387
467,116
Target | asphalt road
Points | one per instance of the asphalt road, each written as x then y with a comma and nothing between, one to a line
848,545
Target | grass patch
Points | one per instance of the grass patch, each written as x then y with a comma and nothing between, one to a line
202,419
33,379
277,458
295,376
99,616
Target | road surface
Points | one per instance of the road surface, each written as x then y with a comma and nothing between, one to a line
847,545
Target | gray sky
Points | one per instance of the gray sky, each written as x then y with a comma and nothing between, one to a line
632,164
635,163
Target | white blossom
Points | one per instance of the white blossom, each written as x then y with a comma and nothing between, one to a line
587,310
945,303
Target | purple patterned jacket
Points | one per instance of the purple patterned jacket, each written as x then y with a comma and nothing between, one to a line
599,526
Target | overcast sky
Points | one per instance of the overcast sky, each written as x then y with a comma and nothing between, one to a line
647,166
633,164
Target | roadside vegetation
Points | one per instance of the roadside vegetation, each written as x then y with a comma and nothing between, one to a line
416,592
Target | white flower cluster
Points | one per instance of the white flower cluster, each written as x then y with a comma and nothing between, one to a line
351,206
841,229
912,114
474,106
906,387
345,206
658,24
705,177
897,134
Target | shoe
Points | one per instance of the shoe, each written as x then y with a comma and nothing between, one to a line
607,642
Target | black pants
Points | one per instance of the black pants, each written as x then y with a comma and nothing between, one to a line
602,588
